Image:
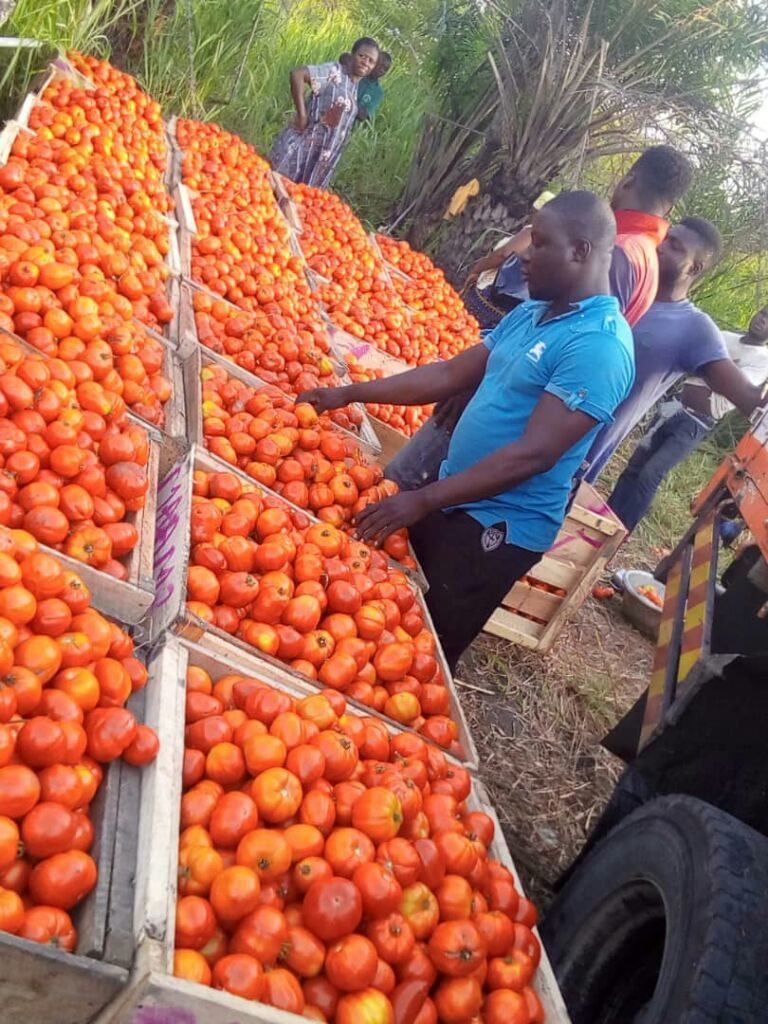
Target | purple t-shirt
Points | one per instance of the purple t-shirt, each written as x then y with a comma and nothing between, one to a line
672,339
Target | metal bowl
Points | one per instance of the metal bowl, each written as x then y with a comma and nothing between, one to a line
641,612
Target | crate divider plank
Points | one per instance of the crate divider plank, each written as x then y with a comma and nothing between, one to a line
152,986
589,538
391,440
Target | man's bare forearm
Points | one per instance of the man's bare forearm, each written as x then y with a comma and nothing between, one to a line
424,384
494,474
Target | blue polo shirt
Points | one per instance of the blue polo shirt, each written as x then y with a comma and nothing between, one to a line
584,357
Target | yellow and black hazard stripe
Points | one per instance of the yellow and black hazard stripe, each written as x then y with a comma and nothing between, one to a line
654,705
698,612
686,621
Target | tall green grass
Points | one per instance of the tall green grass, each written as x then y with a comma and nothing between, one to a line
230,63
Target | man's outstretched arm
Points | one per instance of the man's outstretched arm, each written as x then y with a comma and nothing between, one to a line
425,384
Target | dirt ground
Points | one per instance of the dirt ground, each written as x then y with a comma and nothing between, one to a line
538,722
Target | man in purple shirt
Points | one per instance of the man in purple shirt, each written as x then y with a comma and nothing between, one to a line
673,339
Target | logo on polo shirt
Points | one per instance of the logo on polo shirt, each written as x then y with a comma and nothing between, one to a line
491,539
537,351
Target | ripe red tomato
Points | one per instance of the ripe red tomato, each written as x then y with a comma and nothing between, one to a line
19,790
380,891
503,1006
514,971
49,828
366,1007
350,963
378,813
303,953
278,794
393,938
234,893
458,1000
63,879
332,908
282,990
456,948
497,930
49,926
239,974
262,934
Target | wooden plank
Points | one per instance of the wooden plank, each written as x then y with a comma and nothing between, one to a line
41,985
584,517
391,440
90,918
555,572
157,835
508,626
577,548
532,600
172,545
576,597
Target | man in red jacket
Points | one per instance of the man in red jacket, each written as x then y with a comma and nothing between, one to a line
641,202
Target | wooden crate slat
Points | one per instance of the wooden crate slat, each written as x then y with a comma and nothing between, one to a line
555,572
587,541
533,601
509,626
42,985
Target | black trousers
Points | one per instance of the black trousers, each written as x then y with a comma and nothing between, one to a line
469,569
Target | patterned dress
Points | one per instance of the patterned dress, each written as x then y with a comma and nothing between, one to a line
311,156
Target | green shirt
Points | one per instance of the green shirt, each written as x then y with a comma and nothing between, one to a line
369,96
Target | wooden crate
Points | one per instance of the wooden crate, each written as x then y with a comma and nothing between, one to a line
391,440
590,536
152,985
364,434
129,601
171,558
196,361
42,985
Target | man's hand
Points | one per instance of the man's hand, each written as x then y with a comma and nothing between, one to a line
375,523
301,121
323,399
474,273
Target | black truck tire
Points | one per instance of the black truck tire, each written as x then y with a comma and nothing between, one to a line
666,921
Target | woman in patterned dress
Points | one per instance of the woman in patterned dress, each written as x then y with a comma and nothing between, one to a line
309,149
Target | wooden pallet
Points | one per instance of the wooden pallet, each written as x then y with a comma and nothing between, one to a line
590,536
152,985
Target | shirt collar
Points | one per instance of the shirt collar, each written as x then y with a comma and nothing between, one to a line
635,222
539,307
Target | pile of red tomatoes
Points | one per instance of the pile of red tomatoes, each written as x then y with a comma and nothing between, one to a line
329,606
257,308
290,449
442,326
83,238
330,868
66,673
73,470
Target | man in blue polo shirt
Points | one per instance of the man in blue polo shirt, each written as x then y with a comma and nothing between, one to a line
547,377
